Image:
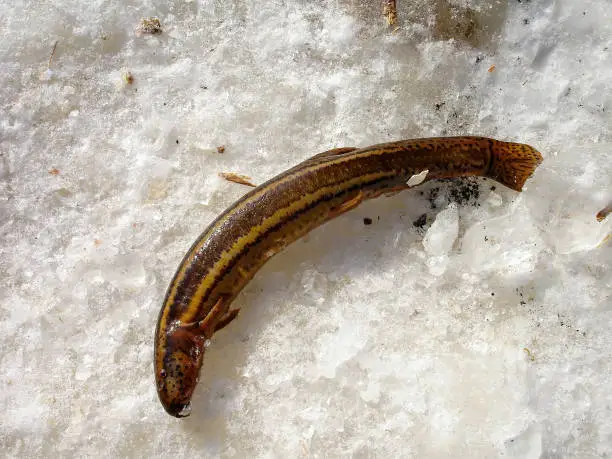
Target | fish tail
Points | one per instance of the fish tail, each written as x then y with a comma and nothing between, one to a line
513,163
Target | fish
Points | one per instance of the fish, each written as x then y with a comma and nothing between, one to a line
226,256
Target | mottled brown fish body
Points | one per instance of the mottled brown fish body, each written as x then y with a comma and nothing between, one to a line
233,248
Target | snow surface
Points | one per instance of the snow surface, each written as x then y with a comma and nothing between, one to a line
484,329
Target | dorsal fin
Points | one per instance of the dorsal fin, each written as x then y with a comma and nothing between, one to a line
326,154
332,152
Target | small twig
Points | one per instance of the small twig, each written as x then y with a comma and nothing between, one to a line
52,54
47,74
237,178
390,12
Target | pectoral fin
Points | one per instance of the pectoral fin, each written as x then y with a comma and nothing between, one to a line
227,319
347,205
208,325
217,318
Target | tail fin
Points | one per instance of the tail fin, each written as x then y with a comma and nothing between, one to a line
513,163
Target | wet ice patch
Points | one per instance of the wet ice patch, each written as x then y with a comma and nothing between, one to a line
334,349
507,243
443,232
439,239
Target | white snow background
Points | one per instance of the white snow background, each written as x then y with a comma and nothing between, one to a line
485,333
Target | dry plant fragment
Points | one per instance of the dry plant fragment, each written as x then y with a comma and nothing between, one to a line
127,77
492,69
237,178
390,12
603,213
221,149
54,171
149,26
605,240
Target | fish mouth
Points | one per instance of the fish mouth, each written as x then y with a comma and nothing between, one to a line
179,410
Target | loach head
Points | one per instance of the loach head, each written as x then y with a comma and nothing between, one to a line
513,163
178,361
